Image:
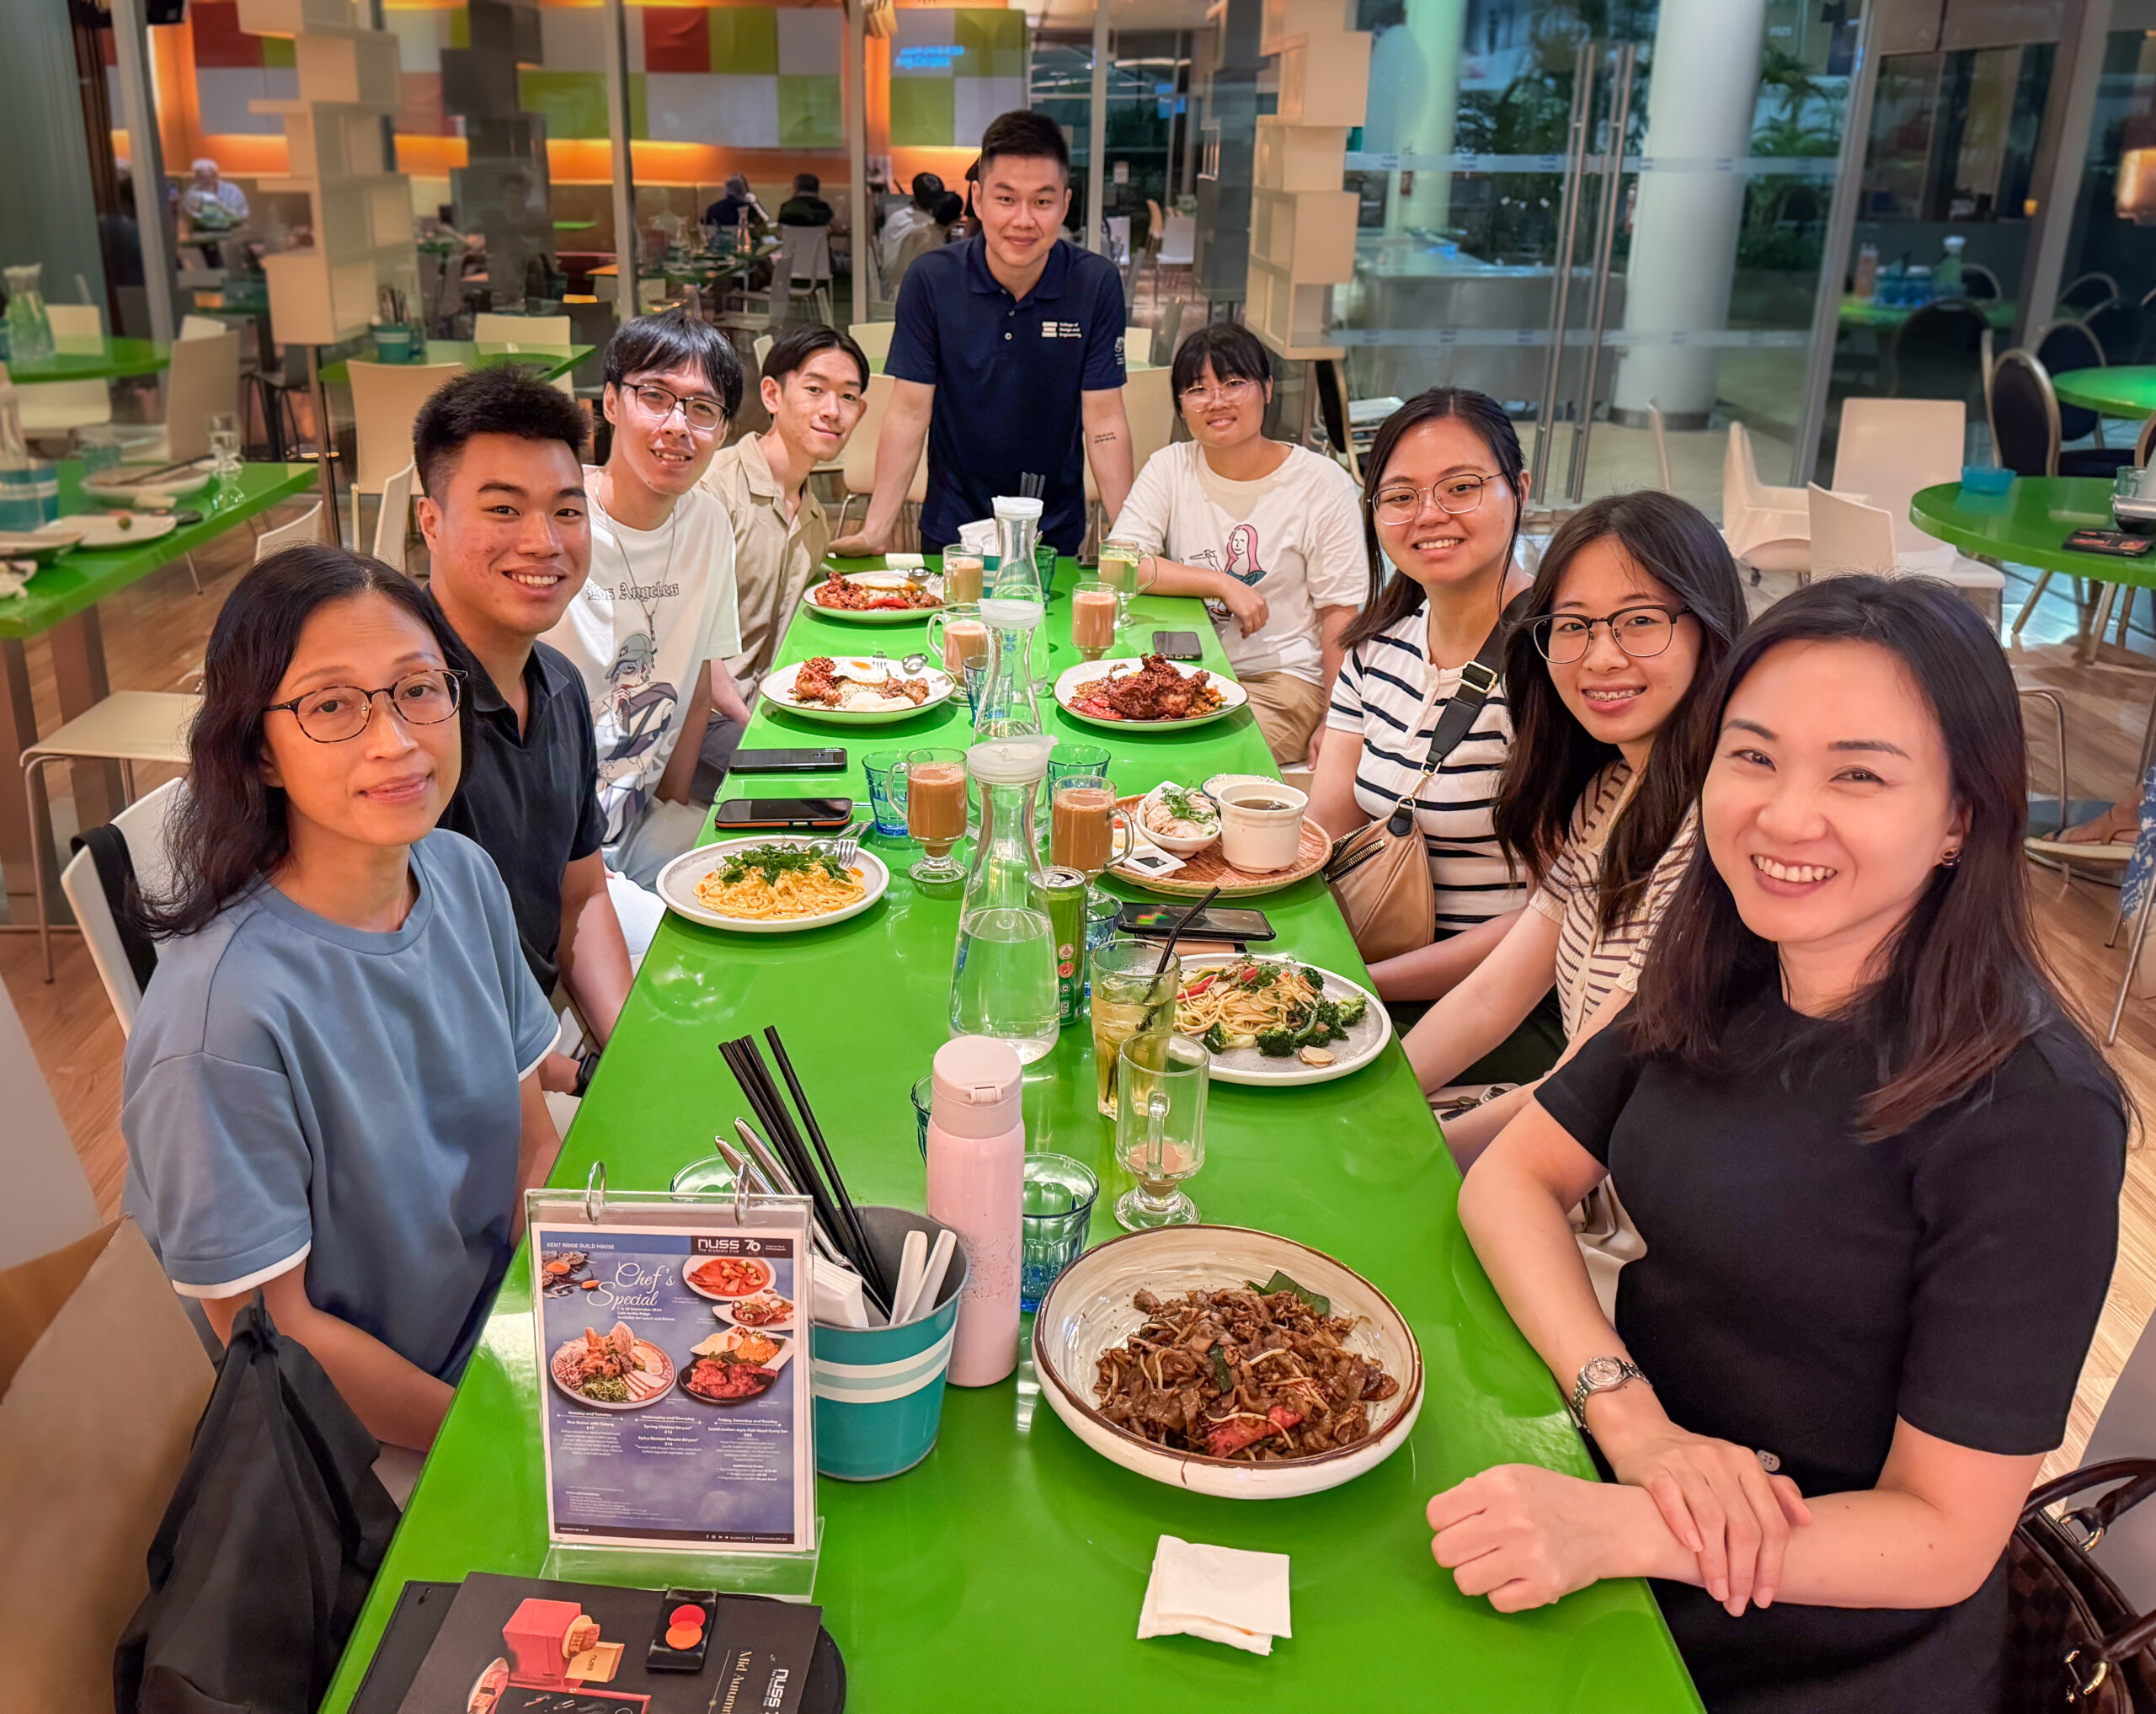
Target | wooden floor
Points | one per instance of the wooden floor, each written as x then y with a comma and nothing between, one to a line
154,638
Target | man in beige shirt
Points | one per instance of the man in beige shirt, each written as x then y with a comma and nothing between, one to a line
815,386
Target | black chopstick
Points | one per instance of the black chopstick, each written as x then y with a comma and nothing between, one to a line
824,1154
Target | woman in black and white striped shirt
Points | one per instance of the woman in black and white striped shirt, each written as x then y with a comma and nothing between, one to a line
1635,608
1443,490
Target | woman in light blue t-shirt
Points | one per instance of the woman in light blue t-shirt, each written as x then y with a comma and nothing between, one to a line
329,1092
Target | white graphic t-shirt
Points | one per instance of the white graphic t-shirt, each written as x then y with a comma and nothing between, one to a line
1295,537
658,603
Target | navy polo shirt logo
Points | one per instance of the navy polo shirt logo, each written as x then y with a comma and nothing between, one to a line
1062,330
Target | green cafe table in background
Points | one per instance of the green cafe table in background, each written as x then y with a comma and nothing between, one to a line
551,361
101,359
60,605
1862,312
2119,390
1005,1571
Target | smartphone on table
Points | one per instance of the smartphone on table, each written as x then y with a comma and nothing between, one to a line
1159,920
787,761
785,812
1177,645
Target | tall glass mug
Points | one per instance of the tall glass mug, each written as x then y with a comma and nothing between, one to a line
1160,1128
936,810
1120,558
1095,610
961,578
1133,995
957,628
1083,826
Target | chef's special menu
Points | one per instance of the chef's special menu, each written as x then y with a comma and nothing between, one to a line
676,1384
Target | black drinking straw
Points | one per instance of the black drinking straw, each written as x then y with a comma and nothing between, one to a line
831,1167
1168,946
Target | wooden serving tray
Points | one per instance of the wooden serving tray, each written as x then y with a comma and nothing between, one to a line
1211,869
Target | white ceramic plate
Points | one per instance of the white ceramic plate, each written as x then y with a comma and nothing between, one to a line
731,1337
875,580
703,1290
725,1308
1232,695
1089,1310
1364,1042
653,1381
677,887
778,691
135,486
102,530
17,544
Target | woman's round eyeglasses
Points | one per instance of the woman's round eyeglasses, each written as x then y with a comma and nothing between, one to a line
337,712
1642,632
1197,396
702,415
1400,504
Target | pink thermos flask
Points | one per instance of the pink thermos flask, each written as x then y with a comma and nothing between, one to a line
976,1187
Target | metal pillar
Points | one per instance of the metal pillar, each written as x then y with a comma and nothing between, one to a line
1096,136
617,132
855,88
146,164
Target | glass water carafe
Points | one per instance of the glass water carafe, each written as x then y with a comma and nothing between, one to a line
1003,969
1018,572
1007,707
29,328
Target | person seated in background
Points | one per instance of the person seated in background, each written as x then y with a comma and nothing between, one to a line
658,611
805,208
949,214
816,386
1270,535
508,536
738,206
1876,1162
331,1091
908,218
211,198
1609,670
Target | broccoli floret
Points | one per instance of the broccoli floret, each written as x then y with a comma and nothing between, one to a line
1215,1039
1328,1014
1315,978
1277,1044
1347,1013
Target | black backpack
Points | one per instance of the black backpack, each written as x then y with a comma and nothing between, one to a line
268,1548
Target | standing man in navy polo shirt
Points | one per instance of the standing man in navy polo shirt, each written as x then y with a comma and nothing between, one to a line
1008,347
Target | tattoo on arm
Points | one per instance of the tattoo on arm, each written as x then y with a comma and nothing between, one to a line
1105,439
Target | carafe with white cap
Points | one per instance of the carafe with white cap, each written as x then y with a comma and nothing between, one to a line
1017,571
976,1187
1003,971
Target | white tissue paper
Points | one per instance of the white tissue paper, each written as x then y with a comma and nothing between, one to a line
978,537
1223,1595
837,1300
15,576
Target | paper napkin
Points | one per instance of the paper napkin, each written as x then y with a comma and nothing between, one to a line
837,1300
1223,1595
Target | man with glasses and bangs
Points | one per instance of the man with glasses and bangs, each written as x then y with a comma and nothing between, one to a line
658,613
1269,535
508,536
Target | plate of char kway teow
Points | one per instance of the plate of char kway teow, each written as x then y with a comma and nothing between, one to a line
874,597
856,690
771,885
1151,694
1227,1361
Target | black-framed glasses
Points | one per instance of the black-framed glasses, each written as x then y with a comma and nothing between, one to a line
1399,503
703,414
338,712
1642,632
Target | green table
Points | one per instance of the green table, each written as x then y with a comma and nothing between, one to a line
61,604
104,358
1862,312
2029,524
1006,1572
2123,390
551,361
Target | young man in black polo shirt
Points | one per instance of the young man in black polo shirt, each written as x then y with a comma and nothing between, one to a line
508,527
1007,346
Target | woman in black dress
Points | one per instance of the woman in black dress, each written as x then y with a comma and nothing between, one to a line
1876,1165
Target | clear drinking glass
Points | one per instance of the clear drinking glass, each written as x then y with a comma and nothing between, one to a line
1096,614
1120,558
1058,1209
936,810
1133,995
224,443
886,770
1160,1128
1083,826
98,447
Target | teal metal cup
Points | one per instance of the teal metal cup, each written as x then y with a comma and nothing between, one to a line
392,343
879,1390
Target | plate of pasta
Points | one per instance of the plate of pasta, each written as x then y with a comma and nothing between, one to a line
1275,1021
769,886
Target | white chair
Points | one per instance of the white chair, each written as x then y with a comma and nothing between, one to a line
385,398
201,379
202,327
497,327
1889,448
874,338
1768,528
858,461
1137,343
305,527
764,344
125,727
392,524
55,407
1848,535
806,255
142,825
1149,402
912,248
48,1203
1178,247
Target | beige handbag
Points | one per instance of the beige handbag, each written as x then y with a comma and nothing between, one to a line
1380,873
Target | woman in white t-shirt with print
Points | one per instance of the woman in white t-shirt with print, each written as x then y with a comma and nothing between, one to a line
1444,491
1268,534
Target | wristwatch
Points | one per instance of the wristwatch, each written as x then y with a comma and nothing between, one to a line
1601,1375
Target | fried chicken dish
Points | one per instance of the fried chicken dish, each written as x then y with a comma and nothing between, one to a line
820,684
1243,1373
836,592
1156,691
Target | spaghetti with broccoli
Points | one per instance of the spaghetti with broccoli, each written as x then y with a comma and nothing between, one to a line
1275,1006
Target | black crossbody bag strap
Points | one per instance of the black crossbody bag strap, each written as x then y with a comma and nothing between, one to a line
1477,679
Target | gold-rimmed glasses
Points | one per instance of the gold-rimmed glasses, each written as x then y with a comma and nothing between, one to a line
1401,503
